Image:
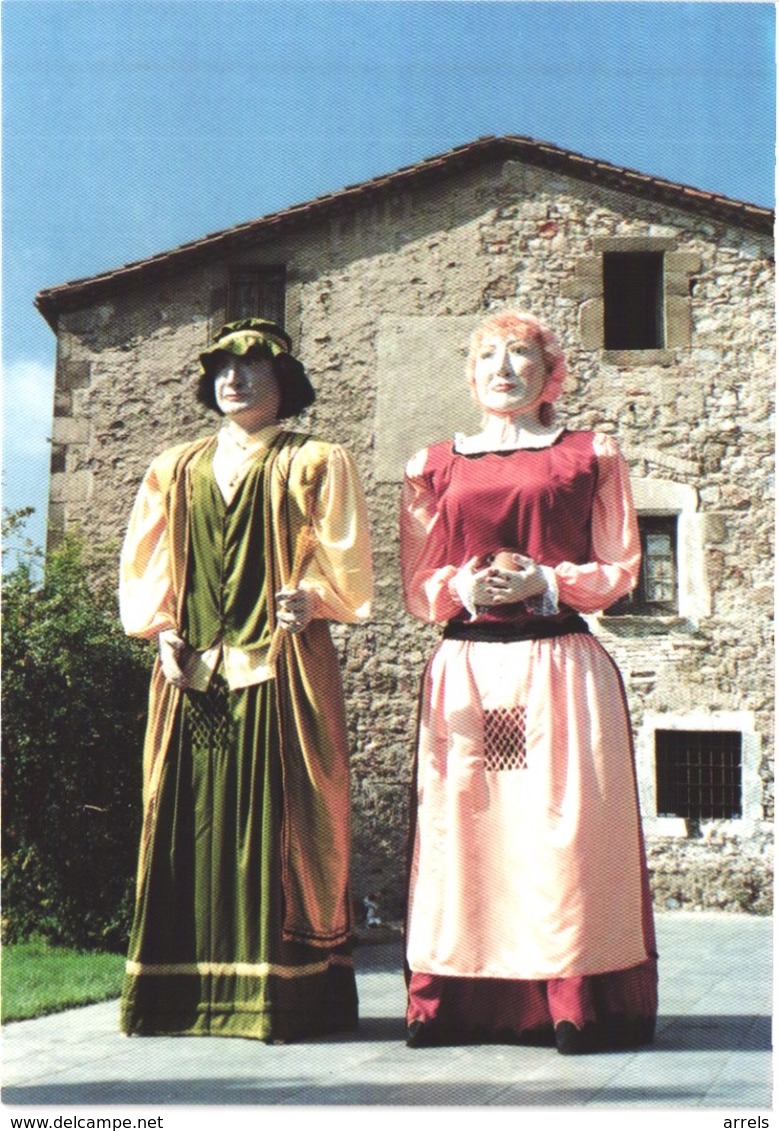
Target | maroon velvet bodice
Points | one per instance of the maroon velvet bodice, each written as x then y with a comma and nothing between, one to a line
538,501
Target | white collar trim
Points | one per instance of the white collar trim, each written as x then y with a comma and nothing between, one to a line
476,445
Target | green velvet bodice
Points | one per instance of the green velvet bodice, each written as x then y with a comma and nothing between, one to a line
226,597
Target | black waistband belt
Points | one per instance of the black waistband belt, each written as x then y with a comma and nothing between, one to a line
506,632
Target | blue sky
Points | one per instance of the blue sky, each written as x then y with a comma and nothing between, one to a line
130,127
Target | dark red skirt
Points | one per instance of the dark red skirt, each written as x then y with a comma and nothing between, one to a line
615,1010
581,1014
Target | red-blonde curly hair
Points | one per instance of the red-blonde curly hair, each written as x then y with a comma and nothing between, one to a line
520,324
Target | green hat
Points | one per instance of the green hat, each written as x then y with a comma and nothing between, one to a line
240,337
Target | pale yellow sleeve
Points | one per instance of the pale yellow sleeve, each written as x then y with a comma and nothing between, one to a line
340,570
146,600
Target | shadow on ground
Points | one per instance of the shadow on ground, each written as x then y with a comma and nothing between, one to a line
299,1091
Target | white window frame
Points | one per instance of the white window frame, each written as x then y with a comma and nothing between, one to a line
742,722
664,497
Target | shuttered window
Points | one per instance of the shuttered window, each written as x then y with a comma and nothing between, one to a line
258,292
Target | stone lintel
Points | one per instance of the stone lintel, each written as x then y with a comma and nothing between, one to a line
662,458
663,496
633,243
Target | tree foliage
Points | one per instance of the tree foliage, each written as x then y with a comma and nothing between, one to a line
74,706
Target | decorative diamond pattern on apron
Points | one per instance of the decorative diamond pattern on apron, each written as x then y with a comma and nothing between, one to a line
206,718
504,739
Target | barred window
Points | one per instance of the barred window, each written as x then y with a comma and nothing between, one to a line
698,773
258,292
657,591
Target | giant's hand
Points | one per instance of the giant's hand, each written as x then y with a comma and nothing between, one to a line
174,654
295,608
506,586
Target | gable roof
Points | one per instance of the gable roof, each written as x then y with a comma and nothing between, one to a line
77,293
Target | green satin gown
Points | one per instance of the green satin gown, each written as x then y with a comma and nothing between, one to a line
206,951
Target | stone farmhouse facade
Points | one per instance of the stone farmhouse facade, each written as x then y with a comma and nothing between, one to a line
662,296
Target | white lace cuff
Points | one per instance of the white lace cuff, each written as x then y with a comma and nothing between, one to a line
545,604
462,584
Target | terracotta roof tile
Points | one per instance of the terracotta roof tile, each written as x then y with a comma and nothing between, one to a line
77,292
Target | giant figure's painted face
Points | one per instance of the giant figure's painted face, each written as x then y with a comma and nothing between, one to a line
509,373
246,390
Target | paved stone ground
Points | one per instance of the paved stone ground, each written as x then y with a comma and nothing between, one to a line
712,1048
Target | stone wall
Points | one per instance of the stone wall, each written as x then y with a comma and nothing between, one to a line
386,293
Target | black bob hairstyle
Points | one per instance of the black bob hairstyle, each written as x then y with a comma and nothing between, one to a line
296,390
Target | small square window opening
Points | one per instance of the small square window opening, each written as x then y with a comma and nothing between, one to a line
633,300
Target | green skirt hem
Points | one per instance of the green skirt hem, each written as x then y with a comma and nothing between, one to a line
330,1005
265,1027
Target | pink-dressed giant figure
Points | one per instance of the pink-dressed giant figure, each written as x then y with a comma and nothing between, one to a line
529,914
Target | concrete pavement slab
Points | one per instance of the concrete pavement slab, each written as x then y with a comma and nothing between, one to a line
712,1047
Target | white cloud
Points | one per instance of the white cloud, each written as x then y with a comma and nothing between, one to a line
28,392
27,403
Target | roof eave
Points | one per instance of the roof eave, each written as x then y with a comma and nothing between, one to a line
72,295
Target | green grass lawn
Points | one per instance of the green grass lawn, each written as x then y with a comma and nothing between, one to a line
39,978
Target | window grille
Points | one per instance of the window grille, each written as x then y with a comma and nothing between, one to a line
633,300
258,292
657,591
698,773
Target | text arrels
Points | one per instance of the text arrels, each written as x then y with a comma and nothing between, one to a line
752,1121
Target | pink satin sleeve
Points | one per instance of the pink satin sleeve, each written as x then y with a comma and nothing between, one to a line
426,575
616,546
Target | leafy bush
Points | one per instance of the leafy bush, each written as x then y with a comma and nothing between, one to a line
74,707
